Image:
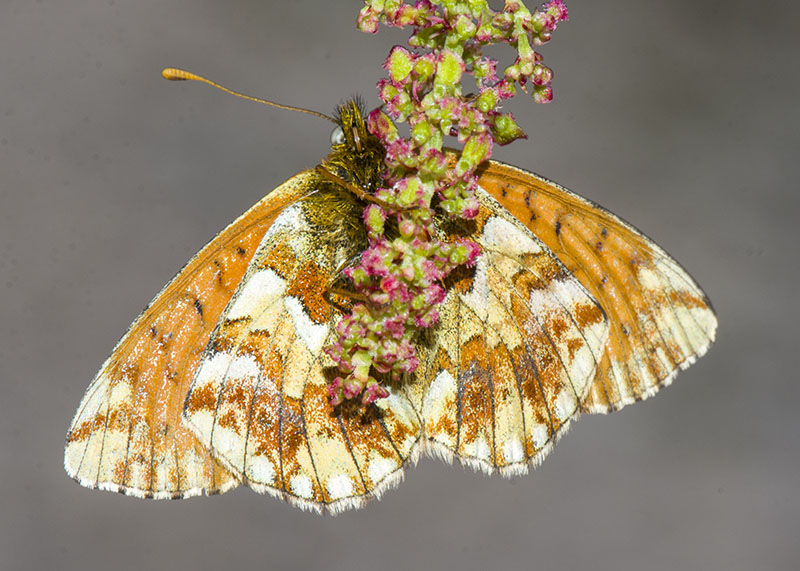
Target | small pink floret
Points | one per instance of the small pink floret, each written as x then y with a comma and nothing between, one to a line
374,392
368,21
351,390
558,9
335,392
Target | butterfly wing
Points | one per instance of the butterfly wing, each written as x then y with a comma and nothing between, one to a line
513,355
128,435
260,398
660,320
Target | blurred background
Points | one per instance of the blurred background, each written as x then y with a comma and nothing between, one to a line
681,117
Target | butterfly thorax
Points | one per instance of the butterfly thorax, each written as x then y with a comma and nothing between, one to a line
335,211
358,157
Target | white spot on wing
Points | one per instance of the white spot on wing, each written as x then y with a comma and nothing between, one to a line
259,291
224,365
512,451
301,486
312,333
120,393
340,486
482,449
228,444
565,404
478,449
289,219
379,468
442,387
202,421
213,369
543,301
477,298
586,359
507,238
260,470
244,367
539,435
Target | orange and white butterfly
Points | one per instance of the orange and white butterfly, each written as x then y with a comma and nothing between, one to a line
222,380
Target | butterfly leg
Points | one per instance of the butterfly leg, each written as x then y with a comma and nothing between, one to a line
341,292
359,192
336,286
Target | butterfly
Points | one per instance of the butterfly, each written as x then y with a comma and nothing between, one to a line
222,380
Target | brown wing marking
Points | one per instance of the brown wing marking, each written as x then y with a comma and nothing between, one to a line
260,398
127,434
661,321
512,356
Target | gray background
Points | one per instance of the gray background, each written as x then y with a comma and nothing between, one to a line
680,116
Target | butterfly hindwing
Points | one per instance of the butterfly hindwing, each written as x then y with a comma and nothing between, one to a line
514,353
660,320
260,399
128,435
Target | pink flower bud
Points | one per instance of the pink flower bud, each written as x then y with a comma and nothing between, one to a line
428,319
557,8
473,251
543,94
407,227
335,391
351,390
390,284
367,20
373,392
542,75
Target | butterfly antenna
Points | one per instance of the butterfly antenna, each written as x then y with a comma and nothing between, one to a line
175,74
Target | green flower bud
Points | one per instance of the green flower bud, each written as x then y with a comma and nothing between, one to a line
374,219
449,69
465,28
440,91
486,101
424,68
400,64
504,129
409,194
421,132
359,276
476,150
458,255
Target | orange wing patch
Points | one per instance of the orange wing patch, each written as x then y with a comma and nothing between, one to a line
260,398
128,435
513,356
660,320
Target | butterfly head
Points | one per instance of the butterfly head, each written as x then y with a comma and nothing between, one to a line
356,154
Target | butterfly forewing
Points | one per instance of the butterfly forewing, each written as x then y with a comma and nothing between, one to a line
260,399
128,435
660,320
514,354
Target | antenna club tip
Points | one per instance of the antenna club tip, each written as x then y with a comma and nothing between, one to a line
175,74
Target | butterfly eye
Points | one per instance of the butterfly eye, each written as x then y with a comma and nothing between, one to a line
337,136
